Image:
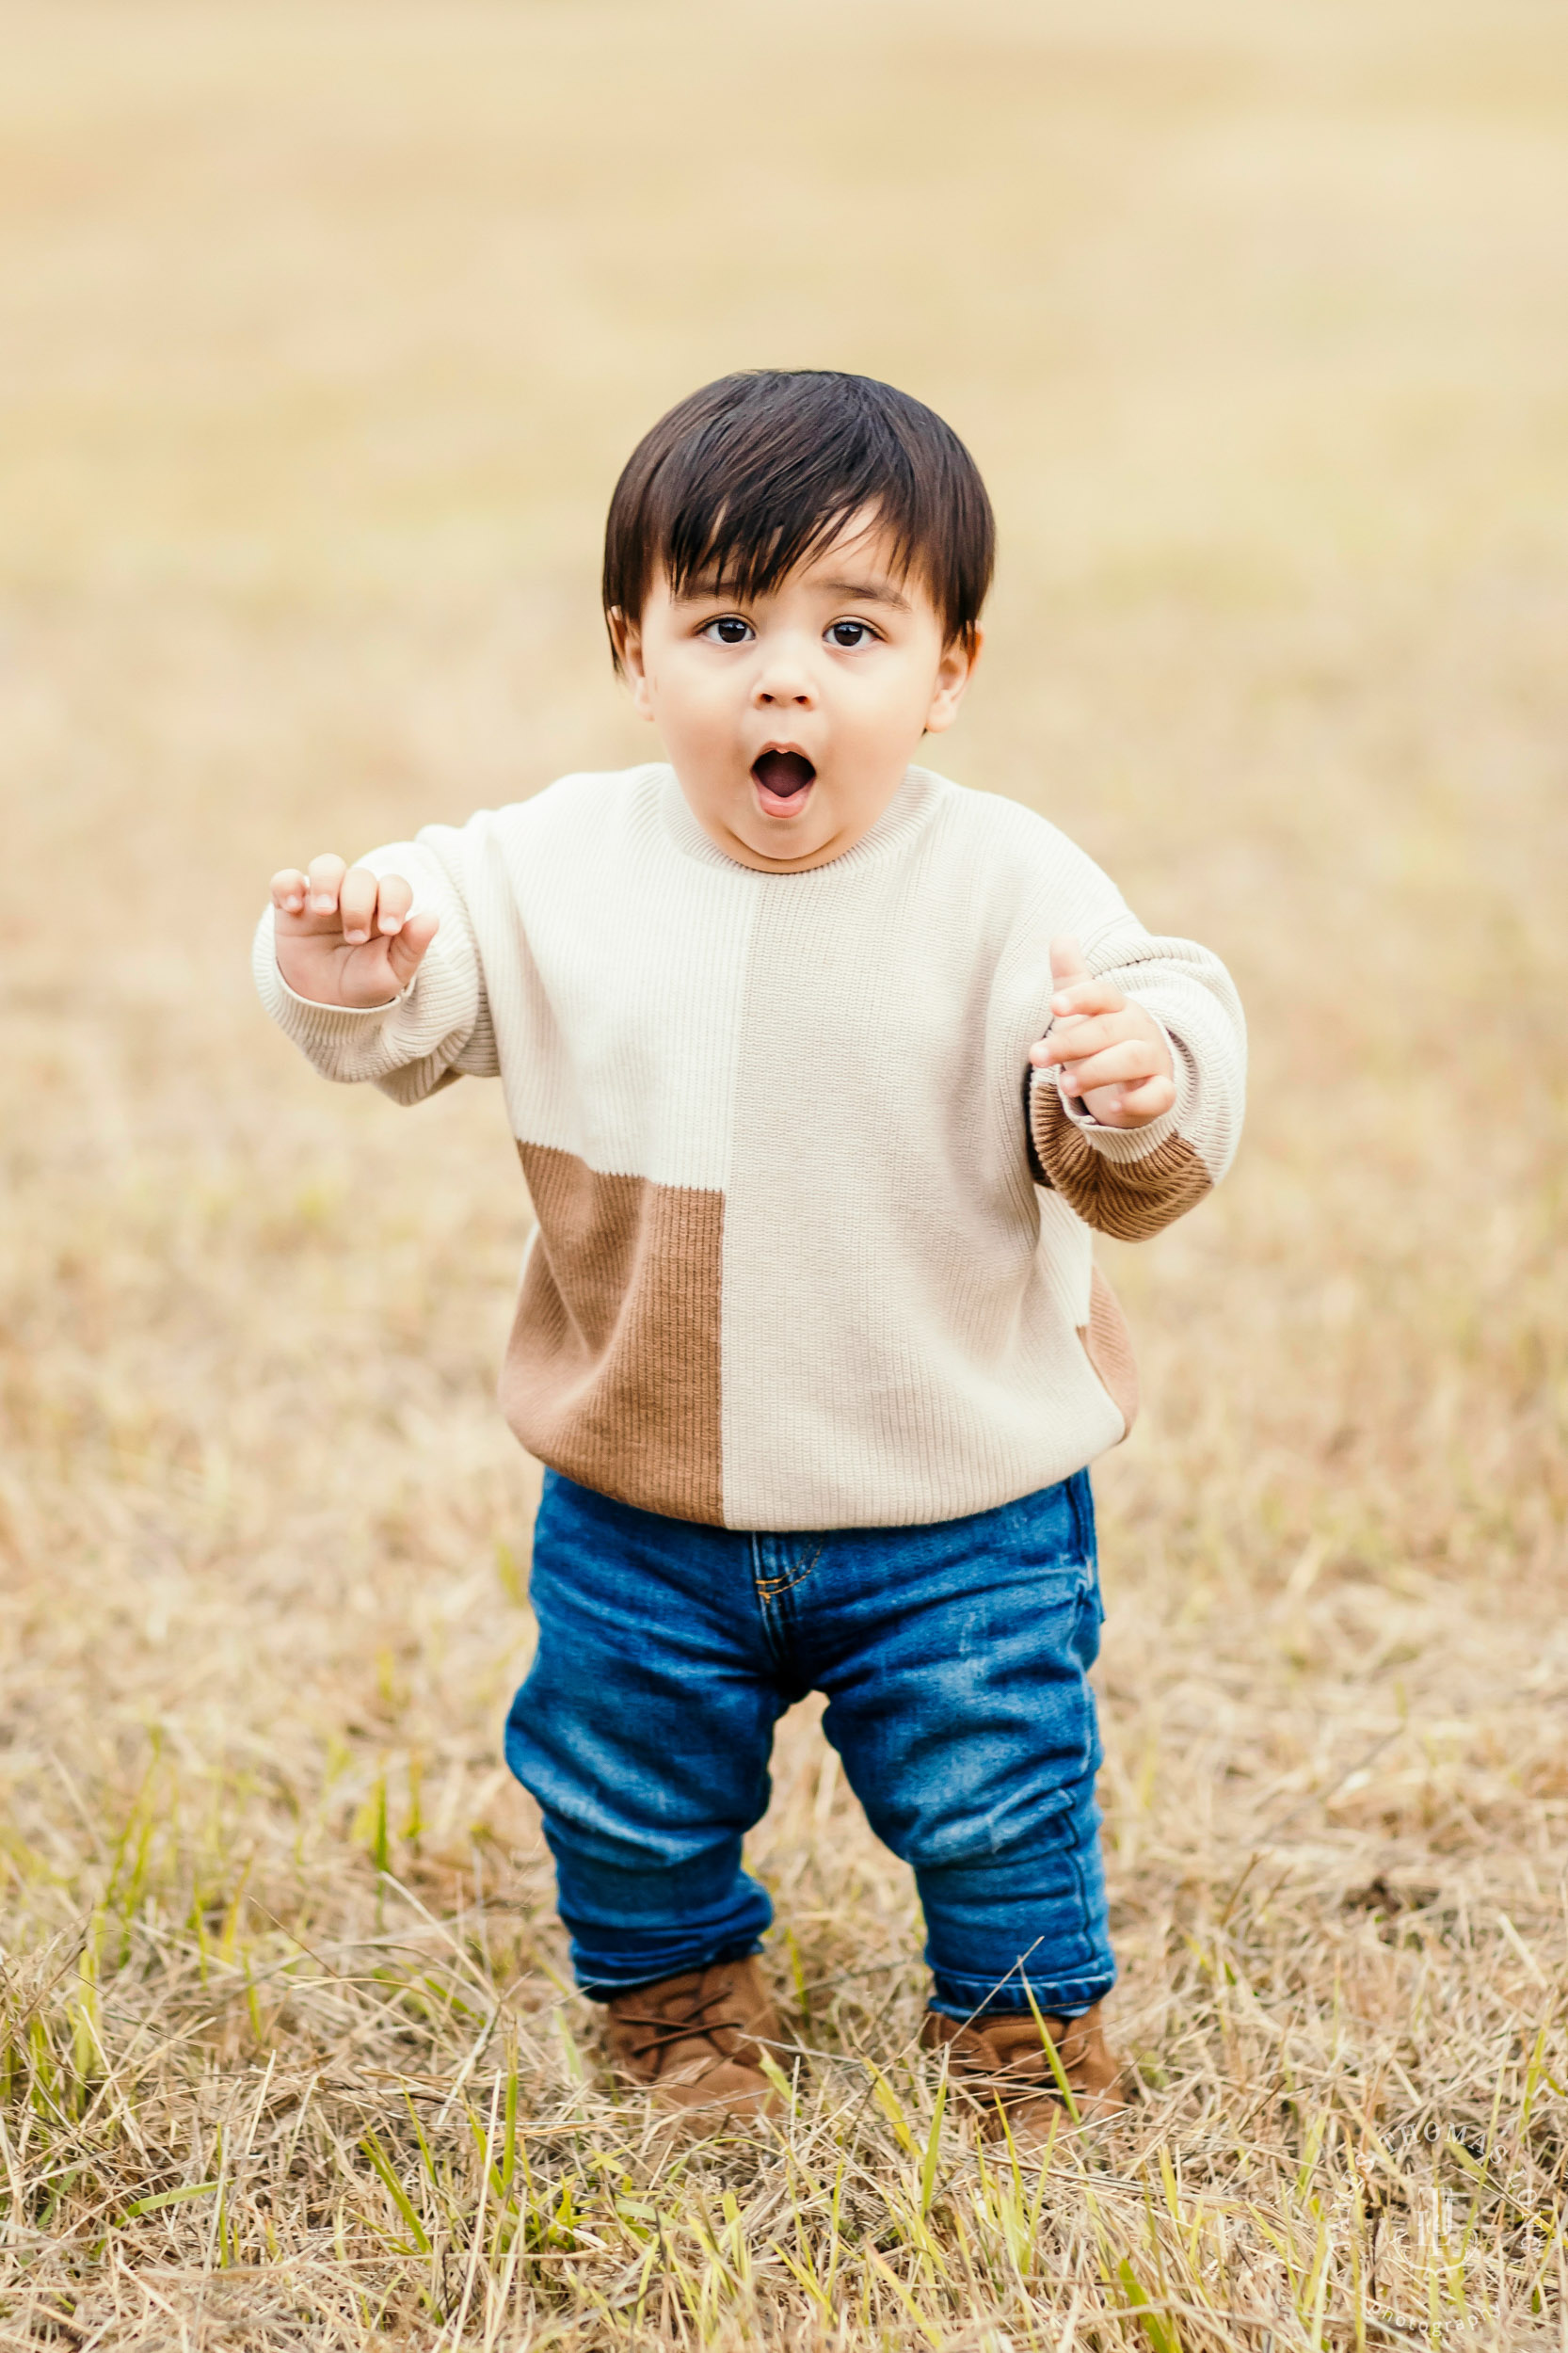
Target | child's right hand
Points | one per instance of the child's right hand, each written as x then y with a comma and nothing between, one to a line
344,935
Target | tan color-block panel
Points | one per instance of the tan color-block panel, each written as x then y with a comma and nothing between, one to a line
1107,1345
612,1374
1128,1200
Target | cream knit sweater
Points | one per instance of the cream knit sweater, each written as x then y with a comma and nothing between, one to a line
813,1250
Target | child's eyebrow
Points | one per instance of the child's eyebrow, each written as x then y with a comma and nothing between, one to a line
869,592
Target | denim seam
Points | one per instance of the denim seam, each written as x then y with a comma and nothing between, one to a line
1083,1527
771,1589
1083,1914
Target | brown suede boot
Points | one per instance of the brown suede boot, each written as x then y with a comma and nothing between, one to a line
694,2043
998,2064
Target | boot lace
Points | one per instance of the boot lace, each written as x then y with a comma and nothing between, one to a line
690,2024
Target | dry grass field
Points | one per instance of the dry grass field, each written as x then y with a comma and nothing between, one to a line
323,331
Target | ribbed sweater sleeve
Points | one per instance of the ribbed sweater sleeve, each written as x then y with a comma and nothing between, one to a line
441,1026
1129,1182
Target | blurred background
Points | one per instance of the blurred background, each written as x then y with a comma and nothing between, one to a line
324,331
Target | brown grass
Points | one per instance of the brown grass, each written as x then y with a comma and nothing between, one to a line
322,332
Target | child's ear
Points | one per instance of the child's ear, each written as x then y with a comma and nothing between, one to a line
627,638
953,673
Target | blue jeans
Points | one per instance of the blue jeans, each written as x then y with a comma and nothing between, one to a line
954,1658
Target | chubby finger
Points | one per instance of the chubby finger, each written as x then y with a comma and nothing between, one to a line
326,876
1129,1061
397,898
288,890
1087,996
1132,1106
406,949
1075,1036
1150,1100
357,905
1066,960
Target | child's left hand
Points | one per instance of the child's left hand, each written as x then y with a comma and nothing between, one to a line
1113,1055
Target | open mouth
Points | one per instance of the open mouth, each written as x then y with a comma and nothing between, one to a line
782,779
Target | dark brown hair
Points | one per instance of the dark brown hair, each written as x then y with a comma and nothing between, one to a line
745,479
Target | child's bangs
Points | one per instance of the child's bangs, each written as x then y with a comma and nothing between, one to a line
743,531
758,474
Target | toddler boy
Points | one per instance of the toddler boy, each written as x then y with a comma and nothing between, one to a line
823,1071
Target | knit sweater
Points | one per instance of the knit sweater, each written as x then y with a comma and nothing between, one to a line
813,1247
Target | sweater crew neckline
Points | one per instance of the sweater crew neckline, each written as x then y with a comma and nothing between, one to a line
906,815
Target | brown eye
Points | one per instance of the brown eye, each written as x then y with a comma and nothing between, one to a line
729,630
851,635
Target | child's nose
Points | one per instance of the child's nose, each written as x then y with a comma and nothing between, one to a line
785,686
784,677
